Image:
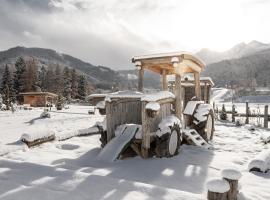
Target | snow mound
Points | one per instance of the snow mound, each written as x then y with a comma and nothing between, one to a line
218,185
102,124
152,106
231,174
37,134
261,162
265,136
166,123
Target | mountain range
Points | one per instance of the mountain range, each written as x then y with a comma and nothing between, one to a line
240,65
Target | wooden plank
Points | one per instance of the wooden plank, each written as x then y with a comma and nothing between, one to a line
145,132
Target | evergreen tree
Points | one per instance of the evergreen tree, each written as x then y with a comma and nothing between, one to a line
82,87
31,76
58,80
7,88
74,84
49,80
67,83
19,76
223,113
42,78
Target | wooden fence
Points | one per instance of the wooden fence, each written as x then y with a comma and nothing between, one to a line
265,117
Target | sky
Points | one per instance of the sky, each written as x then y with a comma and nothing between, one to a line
111,32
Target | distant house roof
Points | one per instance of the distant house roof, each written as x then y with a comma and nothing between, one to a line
39,94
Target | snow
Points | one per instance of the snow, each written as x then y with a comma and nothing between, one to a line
166,123
124,94
155,106
190,107
33,135
157,96
101,105
261,161
70,169
218,185
231,174
202,112
265,136
113,149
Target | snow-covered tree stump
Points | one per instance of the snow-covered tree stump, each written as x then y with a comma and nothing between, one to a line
232,176
217,189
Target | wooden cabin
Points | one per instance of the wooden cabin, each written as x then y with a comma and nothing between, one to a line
93,99
39,99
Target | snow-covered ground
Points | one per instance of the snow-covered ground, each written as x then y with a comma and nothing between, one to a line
70,169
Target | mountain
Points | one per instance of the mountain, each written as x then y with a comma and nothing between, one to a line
97,75
247,71
239,50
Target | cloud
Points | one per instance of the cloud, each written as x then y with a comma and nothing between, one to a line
111,32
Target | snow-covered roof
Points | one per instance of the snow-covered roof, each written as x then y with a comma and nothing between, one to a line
189,80
138,95
38,93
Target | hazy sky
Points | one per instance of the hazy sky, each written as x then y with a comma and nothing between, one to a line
110,32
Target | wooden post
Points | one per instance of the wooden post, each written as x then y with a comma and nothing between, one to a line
205,93
197,85
266,116
145,132
231,176
140,79
247,114
233,113
164,80
217,193
178,99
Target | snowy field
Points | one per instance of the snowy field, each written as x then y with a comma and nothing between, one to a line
70,170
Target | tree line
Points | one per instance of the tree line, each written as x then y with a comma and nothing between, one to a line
29,77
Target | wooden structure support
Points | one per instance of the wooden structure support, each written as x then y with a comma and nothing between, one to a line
140,79
164,80
266,118
247,114
178,103
197,85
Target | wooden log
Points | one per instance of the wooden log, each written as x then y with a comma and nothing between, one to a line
216,196
233,113
247,114
266,118
231,176
39,141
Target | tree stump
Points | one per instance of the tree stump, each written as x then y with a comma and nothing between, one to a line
231,176
217,189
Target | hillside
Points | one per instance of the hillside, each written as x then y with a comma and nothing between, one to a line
252,70
238,51
98,75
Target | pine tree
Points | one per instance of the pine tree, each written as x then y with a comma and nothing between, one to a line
31,76
20,76
58,80
82,87
67,83
7,88
223,113
42,78
74,84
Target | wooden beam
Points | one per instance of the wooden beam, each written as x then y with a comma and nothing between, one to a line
140,79
205,93
164,80
197,85
178,98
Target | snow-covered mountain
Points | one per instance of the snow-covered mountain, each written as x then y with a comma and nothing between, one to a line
238,51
